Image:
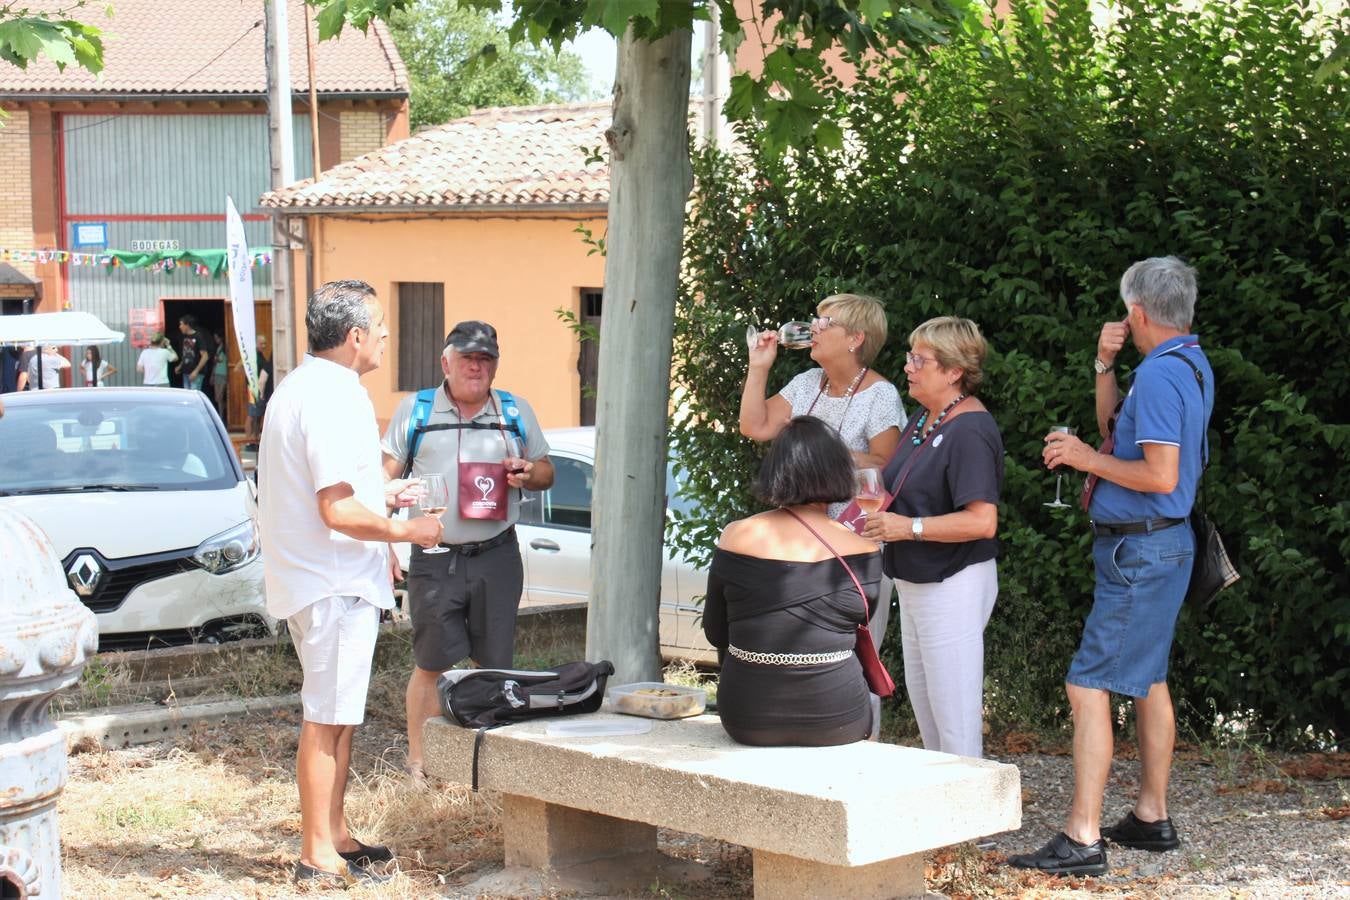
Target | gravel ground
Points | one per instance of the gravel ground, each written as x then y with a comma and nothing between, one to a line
1251,825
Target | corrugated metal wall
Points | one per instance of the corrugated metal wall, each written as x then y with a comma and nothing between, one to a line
170,165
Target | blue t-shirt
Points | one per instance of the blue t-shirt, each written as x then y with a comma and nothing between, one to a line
1164,406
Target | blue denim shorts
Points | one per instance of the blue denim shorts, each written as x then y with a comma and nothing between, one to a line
1141,581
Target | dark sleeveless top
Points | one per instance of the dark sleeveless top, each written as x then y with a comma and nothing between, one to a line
777,606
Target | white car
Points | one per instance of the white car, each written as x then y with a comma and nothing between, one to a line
555,540
147,506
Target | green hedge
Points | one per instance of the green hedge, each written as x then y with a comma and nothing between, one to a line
1026,168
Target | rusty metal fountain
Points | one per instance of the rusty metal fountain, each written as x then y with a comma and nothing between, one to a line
46,635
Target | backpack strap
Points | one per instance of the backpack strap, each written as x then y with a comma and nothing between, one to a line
417,424
506,403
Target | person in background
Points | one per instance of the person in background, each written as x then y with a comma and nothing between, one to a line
322,514
783,611
96,372
844,392
49,376
153,363
257,407
196,355
939,533
220,375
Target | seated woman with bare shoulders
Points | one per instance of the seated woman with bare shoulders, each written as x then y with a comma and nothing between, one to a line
781,609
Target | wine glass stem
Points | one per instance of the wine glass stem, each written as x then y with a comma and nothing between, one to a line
1058,480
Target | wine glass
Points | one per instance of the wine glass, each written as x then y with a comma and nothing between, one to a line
867,489
515,454
1059,473
793,335
432,500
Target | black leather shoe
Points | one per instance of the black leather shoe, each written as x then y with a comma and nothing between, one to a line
1064,856
319,878
365,855
1131,832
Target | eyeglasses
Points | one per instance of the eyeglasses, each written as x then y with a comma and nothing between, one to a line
820,323
917,361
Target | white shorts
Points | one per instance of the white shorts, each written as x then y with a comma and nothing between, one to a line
335,640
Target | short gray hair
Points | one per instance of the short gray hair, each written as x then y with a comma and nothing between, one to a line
1165,287
334,310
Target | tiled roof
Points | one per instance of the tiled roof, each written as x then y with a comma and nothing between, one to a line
208,47
528,155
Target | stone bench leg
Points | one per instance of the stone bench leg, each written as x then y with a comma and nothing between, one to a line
540,835
789,878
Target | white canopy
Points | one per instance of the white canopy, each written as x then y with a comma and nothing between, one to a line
60,328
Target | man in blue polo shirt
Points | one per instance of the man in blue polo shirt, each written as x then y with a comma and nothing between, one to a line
1140,488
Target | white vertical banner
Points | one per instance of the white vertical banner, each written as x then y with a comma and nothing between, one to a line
240,272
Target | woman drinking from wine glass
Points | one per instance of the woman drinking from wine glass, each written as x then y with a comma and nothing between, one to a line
783,611
939,533
843,391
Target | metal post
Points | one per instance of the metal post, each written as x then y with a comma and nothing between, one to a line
279,126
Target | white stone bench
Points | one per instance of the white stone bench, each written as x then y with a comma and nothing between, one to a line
827,822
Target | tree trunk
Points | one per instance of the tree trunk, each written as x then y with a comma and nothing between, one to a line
650,180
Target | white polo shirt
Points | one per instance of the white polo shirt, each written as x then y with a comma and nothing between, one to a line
320,431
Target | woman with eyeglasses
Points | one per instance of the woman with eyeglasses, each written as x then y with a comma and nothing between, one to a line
939,533
844,392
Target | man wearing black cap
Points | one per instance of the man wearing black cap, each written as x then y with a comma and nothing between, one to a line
489,447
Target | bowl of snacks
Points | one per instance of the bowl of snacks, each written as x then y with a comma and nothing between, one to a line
656,700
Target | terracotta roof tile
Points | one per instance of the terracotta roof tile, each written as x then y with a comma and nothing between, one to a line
530,155
208,47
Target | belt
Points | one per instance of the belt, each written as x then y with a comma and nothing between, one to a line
483,546
1144,527
788,659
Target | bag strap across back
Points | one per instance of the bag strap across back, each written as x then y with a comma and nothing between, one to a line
867,607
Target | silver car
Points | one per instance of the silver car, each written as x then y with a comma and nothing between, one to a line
555,540
147,506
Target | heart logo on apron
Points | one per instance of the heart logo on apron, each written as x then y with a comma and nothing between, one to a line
484,485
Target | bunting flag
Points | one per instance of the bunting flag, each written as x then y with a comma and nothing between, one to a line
203,263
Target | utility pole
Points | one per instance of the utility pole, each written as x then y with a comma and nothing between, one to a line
279,129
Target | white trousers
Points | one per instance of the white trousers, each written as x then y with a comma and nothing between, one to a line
881,615
942,635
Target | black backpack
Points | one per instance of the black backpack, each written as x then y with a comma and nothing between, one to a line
486,698
483,698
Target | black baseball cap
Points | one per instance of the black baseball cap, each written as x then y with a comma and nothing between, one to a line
473,337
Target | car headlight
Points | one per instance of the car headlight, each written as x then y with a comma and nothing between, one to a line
229,550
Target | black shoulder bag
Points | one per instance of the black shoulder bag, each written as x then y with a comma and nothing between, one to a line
1212,570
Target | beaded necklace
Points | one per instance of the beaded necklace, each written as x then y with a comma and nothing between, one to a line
920,433
847,397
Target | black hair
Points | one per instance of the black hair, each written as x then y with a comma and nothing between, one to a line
189,320
806,463
95,362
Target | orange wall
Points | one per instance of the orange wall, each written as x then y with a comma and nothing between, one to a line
512,273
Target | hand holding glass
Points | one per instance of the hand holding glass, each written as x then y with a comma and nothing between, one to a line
792,335
515,455
433,500
1059,474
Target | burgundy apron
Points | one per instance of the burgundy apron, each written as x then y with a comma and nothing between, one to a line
482,485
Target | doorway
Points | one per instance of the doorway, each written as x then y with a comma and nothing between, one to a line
213,315
588,359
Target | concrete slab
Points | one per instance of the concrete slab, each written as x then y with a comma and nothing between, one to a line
118,727
848,806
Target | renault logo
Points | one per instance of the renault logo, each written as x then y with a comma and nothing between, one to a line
84,574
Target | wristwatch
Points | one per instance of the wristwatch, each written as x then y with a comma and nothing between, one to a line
916,528
1102,368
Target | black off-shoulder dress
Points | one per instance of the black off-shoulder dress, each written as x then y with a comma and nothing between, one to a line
776,606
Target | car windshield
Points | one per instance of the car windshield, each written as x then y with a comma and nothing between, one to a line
676,501
126,445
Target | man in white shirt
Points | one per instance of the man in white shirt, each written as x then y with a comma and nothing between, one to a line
49,375
154,360
325,535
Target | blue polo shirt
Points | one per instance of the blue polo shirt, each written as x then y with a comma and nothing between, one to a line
1164,406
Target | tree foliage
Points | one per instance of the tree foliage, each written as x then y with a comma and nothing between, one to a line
788,99
1011,178
460,59
26,34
